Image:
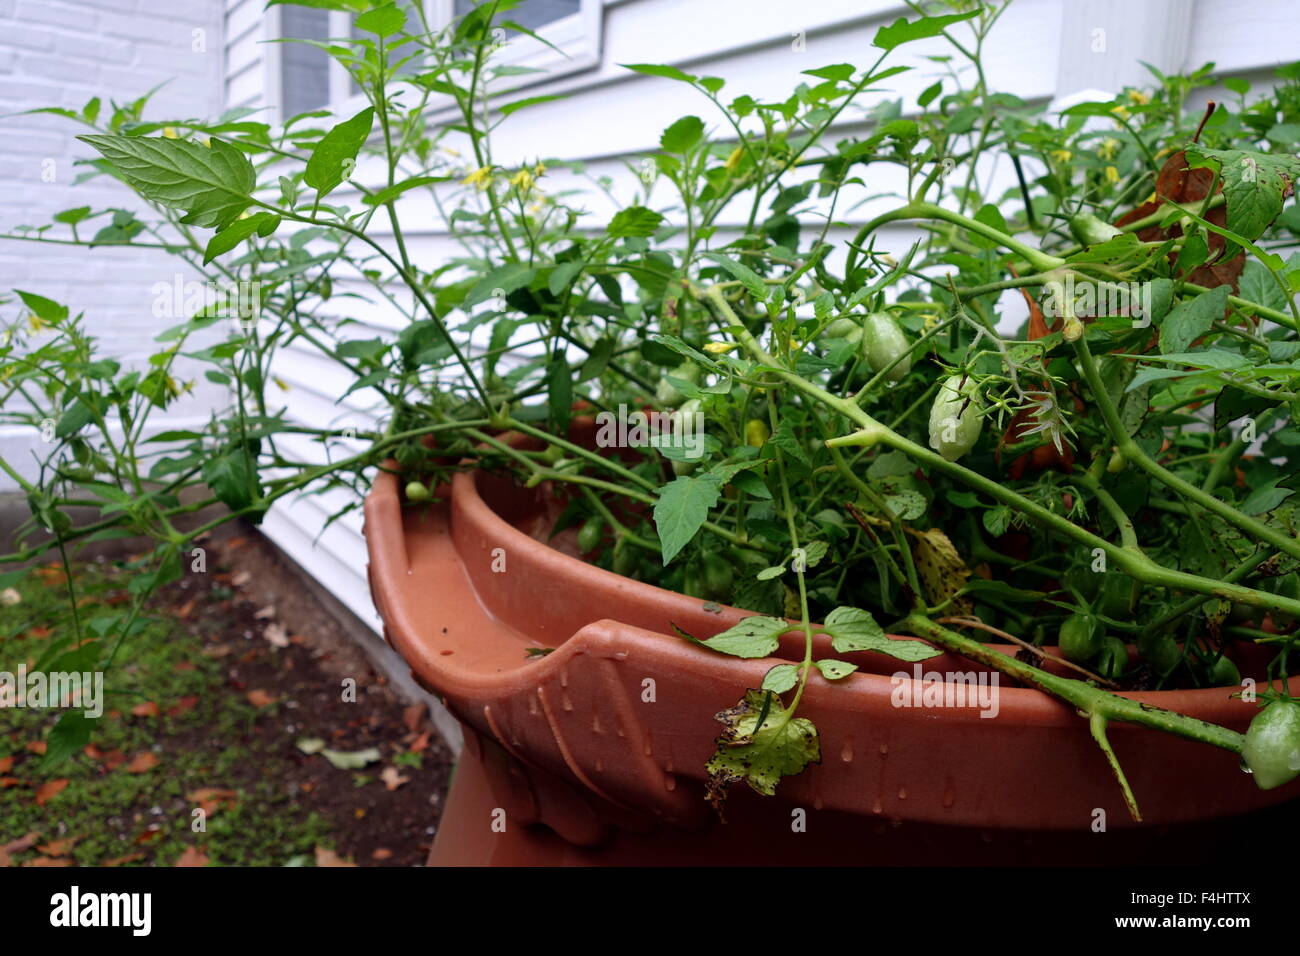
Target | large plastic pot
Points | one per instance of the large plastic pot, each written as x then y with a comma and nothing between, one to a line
603,741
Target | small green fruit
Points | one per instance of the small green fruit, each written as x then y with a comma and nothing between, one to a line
954,431
1272,748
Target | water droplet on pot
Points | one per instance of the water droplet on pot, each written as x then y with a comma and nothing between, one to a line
595,724
565,702
884,750
949,795
600,765
670,782
902,793
1245,767
817,803
877,808
846,754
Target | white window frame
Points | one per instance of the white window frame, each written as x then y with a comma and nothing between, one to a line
577,37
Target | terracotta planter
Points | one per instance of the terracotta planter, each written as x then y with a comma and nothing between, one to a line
604,740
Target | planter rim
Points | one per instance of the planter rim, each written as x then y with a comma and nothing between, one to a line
468,503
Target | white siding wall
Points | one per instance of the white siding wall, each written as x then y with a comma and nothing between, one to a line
62,53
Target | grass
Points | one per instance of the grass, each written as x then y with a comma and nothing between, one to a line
165,700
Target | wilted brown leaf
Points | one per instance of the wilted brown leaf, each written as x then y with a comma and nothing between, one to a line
147,709
49,790
260,698
210,799
143,762
17,846
192,857
58,847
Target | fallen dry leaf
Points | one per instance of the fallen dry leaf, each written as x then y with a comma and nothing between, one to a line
210,799
143,762
147,709
276,635
47,861
260,698
392,778
119,860
39,633
17,846
412,716
186,703
264,613
37,746
185,610
184,666
58,847
6,764
49,790
240,579
192,857
420,743
382,854
114,759
6,782
326,857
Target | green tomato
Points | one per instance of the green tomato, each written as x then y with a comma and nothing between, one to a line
1162,652
1272,748
1088,230
1224,673
1080,638
1119,595
1112,659
883,342
667,393
842,328
590,534
953,432
416,491
625,559
718,576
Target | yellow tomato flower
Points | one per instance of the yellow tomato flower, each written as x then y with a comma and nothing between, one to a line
733,161
719,348
1061,155
169,132
1120,111
481,178
1112,174
1138,97
1107,149
523,180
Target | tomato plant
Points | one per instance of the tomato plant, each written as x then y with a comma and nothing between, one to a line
884,438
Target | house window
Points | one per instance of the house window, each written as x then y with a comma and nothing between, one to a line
305,78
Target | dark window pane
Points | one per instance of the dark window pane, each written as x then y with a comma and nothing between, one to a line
304,70
532,14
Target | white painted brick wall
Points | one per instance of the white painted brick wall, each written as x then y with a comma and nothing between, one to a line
62,53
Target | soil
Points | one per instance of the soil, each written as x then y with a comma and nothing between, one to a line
280,687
